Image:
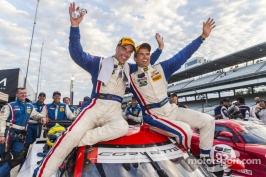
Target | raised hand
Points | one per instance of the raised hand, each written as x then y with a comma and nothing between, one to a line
207,28
74,21
159,40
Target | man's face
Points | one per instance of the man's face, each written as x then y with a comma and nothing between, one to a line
262,104
21,95
123,52
134,101
41,98
174,99
67,101
226,103
143,57
57,98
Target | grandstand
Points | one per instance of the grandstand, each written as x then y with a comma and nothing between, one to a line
240,70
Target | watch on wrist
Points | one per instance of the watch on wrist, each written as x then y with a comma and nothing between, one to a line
202,38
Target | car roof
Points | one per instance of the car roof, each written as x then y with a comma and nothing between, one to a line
138,135
233,122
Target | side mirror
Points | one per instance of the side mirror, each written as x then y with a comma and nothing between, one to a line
227,135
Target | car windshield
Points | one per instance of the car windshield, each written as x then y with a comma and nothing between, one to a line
142,162
253,134
172,168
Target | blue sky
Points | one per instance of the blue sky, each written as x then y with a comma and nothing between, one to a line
239,24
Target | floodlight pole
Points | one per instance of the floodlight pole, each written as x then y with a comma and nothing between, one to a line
72,90
39,72
25,81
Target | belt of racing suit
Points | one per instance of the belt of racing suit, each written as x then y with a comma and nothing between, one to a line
104,96
18,127
16,131
30,121
155,105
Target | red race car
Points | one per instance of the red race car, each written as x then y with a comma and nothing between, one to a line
141,153
245,140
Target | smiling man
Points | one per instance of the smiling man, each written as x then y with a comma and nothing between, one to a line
57,110
34,130
149,85
101,117
13,129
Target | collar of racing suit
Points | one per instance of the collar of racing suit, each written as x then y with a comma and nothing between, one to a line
143,69
107,67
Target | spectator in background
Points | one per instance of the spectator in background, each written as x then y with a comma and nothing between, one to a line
57,110
174,100
256,107
217,111
257,100
67,101
34,130
224,109
262,111
243,107
86,98
133,113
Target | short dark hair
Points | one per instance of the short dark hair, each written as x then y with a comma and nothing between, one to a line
241,99
56,93
226,100
65,98
20,88
42,94
173,95
86,98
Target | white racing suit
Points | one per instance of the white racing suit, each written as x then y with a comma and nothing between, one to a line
101,119
149,86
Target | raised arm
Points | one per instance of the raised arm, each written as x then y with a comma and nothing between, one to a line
80,57
173,64
156,54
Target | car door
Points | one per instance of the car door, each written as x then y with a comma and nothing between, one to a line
238,148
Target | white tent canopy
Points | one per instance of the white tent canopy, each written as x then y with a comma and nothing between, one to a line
3,97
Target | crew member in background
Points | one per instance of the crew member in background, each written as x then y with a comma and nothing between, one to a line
174,100
262,111
244,108
224,109
57,110
86,98
67,101
13,122
217,111
133,113
256,108
34,130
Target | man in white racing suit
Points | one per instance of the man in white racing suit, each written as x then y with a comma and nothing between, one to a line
101,117
149,85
